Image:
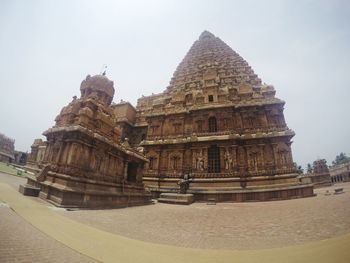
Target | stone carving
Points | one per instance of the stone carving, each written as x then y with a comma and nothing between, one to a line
215,120
41,177
240,140
184,184
200,161
84,151
228,160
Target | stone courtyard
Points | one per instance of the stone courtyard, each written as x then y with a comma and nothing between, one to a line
231,226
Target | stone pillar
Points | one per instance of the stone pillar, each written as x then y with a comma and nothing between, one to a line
235,157
275,157
262,156
126,170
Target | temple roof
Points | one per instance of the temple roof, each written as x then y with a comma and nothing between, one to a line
99,83
211,58
211,74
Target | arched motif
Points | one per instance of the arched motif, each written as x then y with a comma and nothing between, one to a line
175,161
283,155
153,161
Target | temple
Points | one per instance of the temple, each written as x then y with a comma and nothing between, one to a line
320,175
7,149
217,123
83,163
216,126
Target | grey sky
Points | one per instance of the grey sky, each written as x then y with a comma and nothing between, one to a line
301,47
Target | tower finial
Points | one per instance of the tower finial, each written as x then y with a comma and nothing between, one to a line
103,70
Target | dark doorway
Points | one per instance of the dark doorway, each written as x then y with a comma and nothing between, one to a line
214,159
132,171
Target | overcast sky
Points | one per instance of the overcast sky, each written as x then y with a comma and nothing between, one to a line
301,47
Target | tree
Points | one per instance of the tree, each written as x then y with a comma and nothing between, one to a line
298,168
309,168
340,159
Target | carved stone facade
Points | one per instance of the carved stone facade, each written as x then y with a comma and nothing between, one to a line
340,173
219,123
216,123
83,162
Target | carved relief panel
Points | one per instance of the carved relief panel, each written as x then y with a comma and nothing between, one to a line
199,160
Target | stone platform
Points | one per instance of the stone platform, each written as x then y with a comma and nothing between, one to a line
30,190
281,187
71,192
175,198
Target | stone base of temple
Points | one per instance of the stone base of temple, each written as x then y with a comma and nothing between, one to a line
249,195
255,195
281,187
175,198
322,184
29,190
71,192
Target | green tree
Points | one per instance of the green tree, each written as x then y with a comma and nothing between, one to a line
298,168
309,168
341,158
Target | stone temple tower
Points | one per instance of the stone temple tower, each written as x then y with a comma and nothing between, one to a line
218,123
84,164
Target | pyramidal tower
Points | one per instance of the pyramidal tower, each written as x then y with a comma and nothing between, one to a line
217,124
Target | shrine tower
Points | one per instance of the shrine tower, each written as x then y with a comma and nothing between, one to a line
219,123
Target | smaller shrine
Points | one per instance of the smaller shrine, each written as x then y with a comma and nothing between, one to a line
84,163
7,149
320,175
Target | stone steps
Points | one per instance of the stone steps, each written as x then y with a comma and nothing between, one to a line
173,198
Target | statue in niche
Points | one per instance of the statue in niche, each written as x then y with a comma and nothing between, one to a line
98,156
268,153
254,160
241,155
200,161
55,151
283,159
228,160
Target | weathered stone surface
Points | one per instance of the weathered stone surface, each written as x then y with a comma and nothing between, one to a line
215,122
83,163
29,190
219,123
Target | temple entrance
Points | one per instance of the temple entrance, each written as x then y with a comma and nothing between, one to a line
214,159
132,171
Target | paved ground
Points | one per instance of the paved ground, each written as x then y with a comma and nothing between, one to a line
229,225
21,242
223,226
106,247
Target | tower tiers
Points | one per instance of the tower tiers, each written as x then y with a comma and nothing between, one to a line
83,163
217,122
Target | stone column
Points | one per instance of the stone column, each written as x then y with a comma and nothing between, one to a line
235,158
125,170
262,156
275,157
